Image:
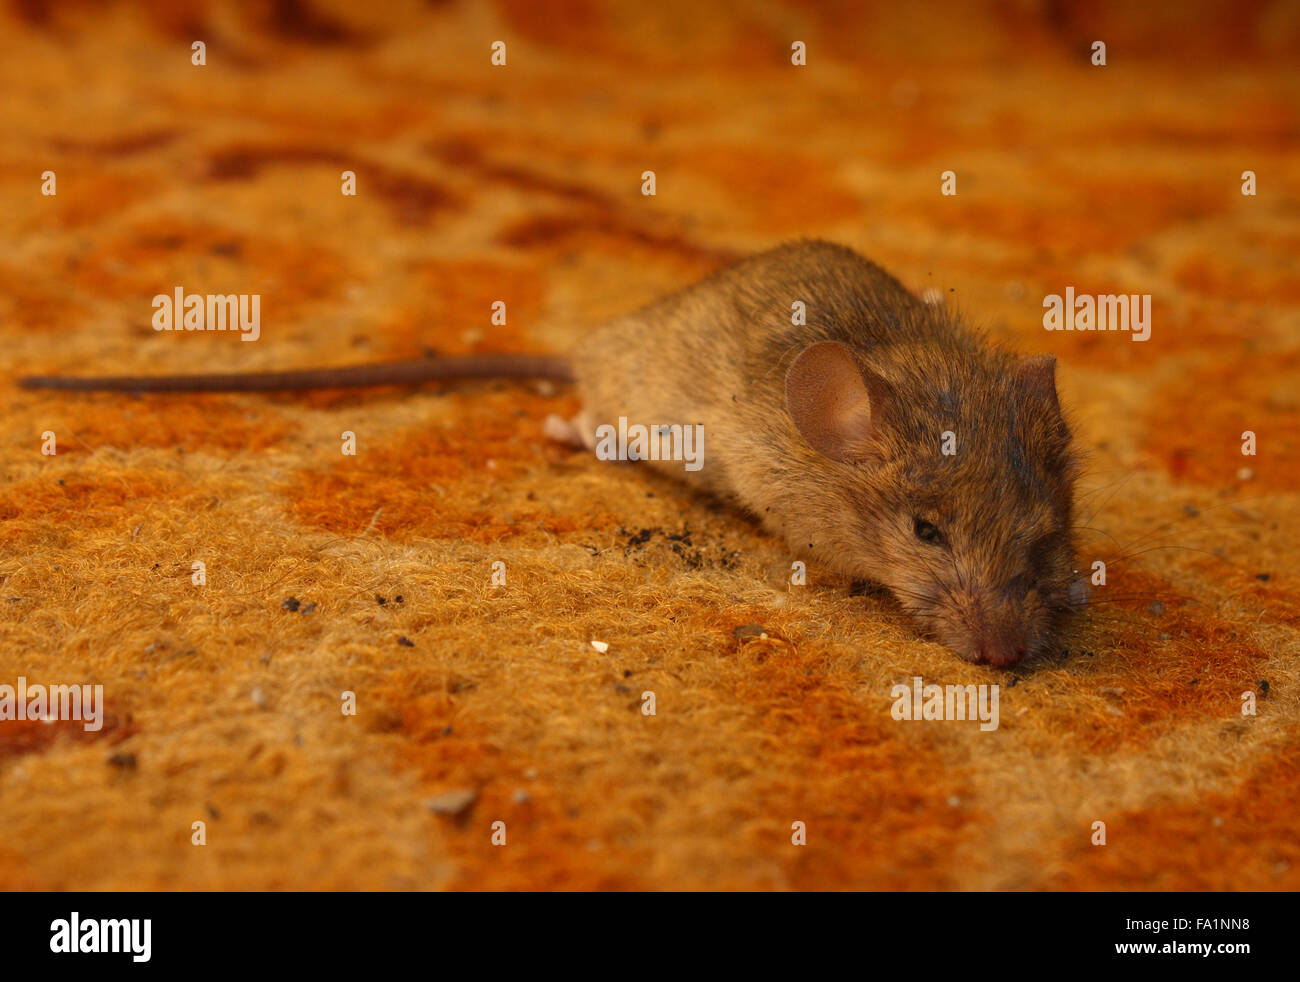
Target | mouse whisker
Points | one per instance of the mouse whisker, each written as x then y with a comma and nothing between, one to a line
1093,528
1169,527
1114,490
1127,598
1121,560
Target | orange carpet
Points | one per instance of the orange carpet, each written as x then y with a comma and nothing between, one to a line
482,708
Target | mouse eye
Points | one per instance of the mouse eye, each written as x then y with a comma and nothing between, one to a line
927,532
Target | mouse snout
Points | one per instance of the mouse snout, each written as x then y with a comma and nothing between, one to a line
993,629
998,651
996,626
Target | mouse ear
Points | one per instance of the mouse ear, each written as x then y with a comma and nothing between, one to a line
831,401
1037,374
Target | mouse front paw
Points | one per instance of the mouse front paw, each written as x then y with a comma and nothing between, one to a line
570,431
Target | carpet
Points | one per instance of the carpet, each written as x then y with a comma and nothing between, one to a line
493,607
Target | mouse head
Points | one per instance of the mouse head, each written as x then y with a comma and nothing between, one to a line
948,476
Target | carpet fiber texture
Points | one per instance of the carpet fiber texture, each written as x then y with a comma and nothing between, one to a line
482,706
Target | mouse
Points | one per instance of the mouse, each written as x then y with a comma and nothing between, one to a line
874,433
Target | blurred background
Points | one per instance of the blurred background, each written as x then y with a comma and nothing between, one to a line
521,182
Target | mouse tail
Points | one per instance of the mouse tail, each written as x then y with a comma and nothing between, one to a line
456,367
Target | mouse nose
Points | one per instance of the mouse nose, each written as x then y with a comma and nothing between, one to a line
989,652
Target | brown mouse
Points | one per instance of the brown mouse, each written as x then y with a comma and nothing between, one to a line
880,437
